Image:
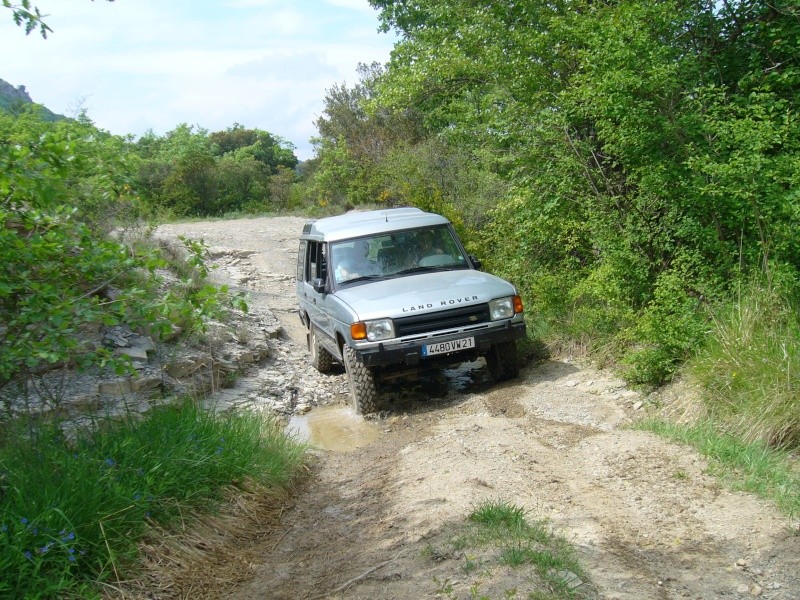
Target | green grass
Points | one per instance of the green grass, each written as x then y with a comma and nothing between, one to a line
748,466
498,533
72,512
749,369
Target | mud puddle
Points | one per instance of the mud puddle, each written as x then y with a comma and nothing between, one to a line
333,428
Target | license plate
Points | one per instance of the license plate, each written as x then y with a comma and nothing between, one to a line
451,346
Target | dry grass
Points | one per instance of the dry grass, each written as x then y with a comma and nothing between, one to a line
208,556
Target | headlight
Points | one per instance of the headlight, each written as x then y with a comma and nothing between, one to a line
382,329
374,331
501,308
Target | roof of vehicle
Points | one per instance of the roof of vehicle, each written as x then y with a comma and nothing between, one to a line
357,224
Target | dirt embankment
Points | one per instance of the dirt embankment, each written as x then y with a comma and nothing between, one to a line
646,519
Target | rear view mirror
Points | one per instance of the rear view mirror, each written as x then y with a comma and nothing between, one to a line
319,285
475,262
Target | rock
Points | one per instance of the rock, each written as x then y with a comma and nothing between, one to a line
638,405
569,578
143,342
187,366
115,387
136,354
149,382
755,590
117,335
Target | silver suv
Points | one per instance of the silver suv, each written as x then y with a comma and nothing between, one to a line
389,292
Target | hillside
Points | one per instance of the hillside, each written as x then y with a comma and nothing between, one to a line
13,98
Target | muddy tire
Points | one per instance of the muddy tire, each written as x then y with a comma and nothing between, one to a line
321,359
363,387
503,361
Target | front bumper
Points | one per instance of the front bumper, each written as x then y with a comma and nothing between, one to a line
409,353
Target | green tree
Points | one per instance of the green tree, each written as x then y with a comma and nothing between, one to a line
271,150
192,172
647,152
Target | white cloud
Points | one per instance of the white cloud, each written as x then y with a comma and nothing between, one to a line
152,64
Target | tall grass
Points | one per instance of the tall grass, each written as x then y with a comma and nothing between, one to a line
750,368
72,512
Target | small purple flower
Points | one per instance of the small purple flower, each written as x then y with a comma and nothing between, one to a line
137,496
69,537
72,558
109,462
28,555
219,449
24,521
4,528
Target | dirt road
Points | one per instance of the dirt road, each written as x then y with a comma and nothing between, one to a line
646,520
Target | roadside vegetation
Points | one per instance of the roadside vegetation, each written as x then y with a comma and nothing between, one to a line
497,536
73,512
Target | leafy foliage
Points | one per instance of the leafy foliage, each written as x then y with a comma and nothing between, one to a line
64,189
28,16
190,172
626,164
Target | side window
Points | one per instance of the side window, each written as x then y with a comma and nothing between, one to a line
301,260
316,261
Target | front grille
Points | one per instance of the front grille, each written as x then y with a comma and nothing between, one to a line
453,318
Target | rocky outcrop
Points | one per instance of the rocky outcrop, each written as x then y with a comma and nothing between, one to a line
12,97
14,93
161,371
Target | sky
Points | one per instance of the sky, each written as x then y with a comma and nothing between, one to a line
139,65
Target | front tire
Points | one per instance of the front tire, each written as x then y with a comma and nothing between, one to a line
503,361
321,359
363,387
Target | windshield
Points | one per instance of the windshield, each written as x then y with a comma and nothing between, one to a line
395,254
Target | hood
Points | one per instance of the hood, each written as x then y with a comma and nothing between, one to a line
423,293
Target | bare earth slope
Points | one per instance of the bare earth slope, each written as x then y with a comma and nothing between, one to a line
645,518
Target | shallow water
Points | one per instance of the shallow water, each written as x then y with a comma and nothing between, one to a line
333,428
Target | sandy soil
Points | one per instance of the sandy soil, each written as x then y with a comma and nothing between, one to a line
645,518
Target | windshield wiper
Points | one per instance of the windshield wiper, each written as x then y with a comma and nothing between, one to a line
416,270
363,278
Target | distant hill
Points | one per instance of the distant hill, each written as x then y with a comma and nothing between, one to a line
13,98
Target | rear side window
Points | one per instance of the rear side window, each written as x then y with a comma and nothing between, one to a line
301,260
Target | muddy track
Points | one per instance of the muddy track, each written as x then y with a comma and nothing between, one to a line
646,519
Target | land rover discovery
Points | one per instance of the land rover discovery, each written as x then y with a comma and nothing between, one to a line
387,293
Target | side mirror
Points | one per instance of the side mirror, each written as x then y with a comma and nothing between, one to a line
475,262
319,285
